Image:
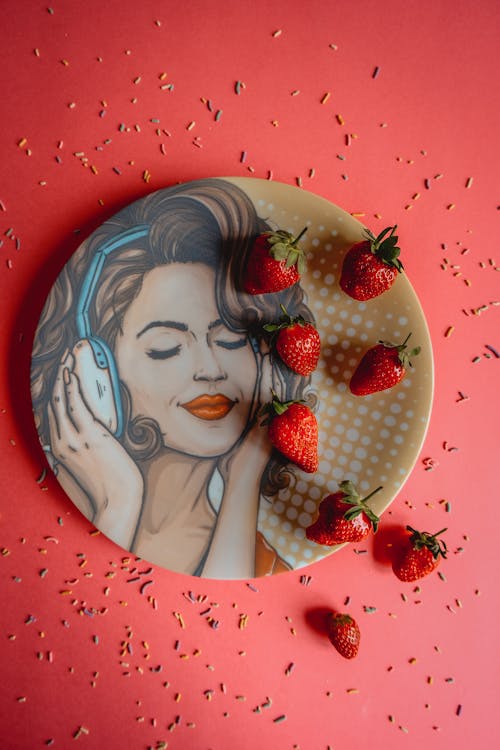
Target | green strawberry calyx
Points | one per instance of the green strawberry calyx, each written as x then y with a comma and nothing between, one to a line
340,619
284,246
385,246
285,321
275,408
358,504
404,354
421,539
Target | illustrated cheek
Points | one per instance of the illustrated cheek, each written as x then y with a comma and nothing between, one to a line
238,359
170,367
244,373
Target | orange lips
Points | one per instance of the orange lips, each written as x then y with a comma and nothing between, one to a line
209,407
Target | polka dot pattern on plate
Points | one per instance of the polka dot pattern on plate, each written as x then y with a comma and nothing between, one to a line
370,440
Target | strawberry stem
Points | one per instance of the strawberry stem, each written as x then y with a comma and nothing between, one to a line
421,539
358,504
286,321
384,246
276,406
299,236
372,493
404,356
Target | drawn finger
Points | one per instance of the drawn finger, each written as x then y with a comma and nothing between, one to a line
54,430
78,410
69,361
266,380
58,402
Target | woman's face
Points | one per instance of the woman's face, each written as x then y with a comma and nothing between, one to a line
182,365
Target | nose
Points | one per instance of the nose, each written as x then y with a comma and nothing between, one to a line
207,367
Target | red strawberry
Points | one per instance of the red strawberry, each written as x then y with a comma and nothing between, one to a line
419,556
293,430
381,367
297,342
370,267
275,263
343,517
344,634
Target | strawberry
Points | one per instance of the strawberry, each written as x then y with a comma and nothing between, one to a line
344,634
293,430
297,342
381,367
275,263
343,517
370,267
419,556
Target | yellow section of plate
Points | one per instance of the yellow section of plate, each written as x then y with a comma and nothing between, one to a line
372,440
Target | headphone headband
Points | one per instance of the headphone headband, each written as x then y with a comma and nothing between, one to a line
94,272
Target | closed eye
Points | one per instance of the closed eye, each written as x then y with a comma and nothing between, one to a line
163,353
237,344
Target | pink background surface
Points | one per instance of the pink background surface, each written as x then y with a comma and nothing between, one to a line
91,659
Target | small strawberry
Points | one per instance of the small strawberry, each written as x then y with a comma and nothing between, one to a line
370,267
344,634
297,342
343,517
419,556
275,263
381,367
293,430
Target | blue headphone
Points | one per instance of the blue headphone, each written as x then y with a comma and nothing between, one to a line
94,361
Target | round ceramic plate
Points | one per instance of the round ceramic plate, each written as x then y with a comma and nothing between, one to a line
150,365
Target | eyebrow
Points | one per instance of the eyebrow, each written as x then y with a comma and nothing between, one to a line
174,324
163,324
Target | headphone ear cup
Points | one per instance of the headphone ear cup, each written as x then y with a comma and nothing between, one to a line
99,384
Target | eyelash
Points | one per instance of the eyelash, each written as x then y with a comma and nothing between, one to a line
239,344
168,353
163,353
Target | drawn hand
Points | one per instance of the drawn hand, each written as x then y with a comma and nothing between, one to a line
250,457
232,551
95,459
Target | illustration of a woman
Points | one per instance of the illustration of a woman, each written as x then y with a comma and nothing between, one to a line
148,372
